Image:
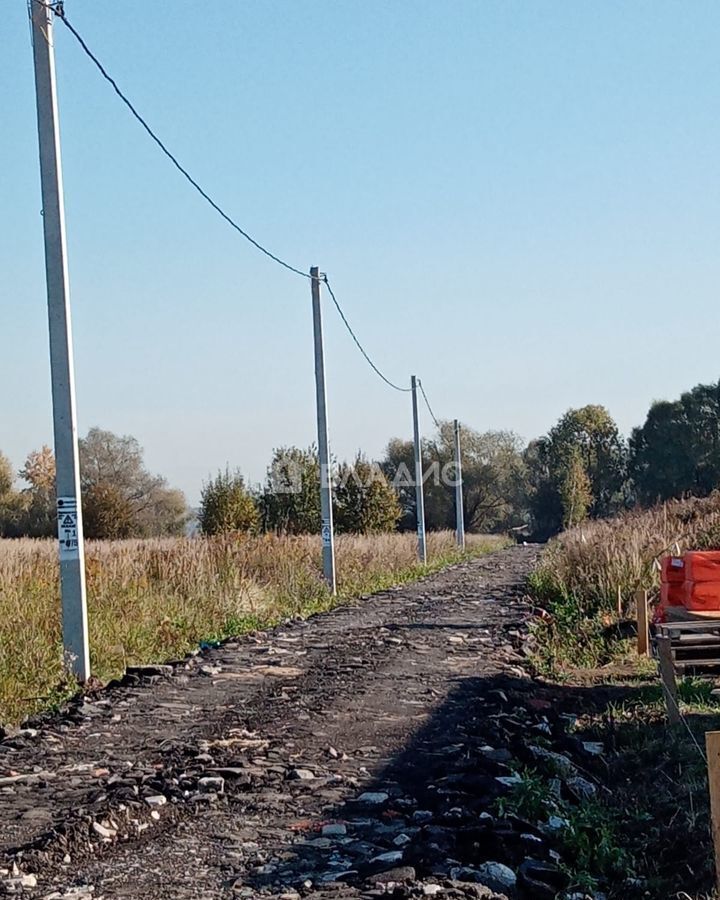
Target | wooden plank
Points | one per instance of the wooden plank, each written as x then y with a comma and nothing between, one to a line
695,640
712,744
643,632
697,664
704,625
667,675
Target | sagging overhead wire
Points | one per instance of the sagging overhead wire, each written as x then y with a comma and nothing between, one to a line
427,403
59,10
360,347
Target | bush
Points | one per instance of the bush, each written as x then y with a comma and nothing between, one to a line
107,515
290,501
226,506
365,503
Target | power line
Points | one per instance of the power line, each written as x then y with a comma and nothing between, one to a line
427,403
58,9
357,342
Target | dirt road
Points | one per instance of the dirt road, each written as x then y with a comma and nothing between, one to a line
332,757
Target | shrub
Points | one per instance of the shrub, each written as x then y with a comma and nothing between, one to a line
106,513
290,501
365,503
226,506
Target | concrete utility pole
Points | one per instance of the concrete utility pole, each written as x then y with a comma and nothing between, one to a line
69,511
419,497
328,535
459,514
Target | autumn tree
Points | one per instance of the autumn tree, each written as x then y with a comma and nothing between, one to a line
226,506
575,491
493,479
364,501
38,498
113,473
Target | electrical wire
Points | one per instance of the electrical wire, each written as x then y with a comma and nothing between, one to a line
357,342
427,403
59,10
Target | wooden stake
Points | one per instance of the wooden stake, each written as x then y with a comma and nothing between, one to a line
667,675
712,744
619,603
643,631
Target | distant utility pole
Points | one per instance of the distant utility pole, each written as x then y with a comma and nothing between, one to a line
328,535
459,515
419,498
69,512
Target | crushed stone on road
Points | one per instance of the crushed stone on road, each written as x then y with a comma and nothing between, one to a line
360,753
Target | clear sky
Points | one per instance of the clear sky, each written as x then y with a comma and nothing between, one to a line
519,200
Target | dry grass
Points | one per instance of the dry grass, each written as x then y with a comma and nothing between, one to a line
591,562
155,600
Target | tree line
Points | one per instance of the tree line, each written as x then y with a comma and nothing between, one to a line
582,468
120,498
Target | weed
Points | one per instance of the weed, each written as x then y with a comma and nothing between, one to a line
532,798
592,840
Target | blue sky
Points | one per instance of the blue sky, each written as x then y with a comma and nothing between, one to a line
518,201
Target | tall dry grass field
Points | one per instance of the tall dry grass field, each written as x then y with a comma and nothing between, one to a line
592,561
581,572
155,600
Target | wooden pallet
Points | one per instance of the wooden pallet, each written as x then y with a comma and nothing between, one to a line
693,645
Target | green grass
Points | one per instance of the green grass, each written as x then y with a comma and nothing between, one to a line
658,778
645,833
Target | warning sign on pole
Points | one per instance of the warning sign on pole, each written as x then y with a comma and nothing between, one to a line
67,518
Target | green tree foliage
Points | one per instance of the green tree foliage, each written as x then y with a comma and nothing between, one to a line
29,512
493,476
290,500
112,471
6,476
584,439
11,503
494,479
226,506
107,514
543,496
398,466
677,450
364,501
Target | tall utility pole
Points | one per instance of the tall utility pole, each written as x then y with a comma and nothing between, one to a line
459,514
328,535
419,498
69,511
